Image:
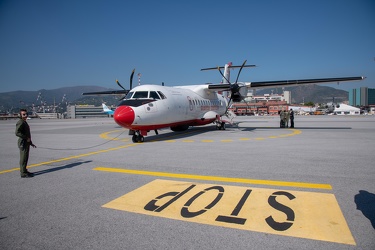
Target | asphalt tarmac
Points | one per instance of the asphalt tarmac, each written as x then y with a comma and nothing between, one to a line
251,186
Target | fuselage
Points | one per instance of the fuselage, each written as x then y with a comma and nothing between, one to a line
151,107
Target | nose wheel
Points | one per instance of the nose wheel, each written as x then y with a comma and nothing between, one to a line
137,137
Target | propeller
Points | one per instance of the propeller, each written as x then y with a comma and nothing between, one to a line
115,92
234,88
130,85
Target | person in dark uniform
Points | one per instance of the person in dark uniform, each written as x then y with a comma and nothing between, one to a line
287,118
282,119
291,113
24,143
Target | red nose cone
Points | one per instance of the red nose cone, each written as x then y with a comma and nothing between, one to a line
124,116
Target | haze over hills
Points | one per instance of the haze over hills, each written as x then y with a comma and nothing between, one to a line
12,101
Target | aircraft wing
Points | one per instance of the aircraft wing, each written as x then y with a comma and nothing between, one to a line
110,92
286,83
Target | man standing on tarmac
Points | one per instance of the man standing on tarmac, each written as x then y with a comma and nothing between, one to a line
282,119
291,118
286,114
24,143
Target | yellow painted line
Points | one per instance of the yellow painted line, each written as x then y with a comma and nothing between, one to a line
9,170
307,215
106,134
217,178
71,157
229,140
165,139
107,137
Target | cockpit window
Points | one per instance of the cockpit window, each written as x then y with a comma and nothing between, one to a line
162,95
140,94
129,95
154,95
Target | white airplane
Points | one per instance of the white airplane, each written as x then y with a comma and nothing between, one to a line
107,110
152,107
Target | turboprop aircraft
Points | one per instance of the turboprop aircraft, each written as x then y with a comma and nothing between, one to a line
152,107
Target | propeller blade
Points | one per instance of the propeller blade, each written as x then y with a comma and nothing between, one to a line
118,83
230,99
239,72
131,79
221,73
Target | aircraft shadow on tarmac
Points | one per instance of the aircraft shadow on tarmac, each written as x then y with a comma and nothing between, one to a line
334,128
365,202
179,135
201,130
192,131
50,170
302,128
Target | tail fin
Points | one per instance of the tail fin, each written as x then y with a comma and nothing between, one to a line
226,78
105,108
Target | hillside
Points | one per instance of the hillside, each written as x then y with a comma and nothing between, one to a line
13,101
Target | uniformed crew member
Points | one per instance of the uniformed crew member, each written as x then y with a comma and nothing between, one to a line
282,114
286,115
291,118
24,143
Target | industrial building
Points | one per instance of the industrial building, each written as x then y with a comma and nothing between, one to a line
363,96
262,105
85,111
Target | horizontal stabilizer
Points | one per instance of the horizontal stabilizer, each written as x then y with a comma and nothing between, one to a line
230,67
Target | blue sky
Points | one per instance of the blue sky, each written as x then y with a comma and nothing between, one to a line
48,44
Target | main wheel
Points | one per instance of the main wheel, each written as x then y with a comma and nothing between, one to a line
141,138
134,138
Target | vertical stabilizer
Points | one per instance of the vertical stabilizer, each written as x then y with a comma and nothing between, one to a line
226,78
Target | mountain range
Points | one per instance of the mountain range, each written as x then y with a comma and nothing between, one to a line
12,101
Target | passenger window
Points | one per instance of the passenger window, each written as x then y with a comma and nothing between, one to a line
140,94
154,95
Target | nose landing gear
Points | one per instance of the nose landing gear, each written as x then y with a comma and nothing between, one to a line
137,136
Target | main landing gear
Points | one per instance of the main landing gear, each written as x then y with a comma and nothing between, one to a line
220,125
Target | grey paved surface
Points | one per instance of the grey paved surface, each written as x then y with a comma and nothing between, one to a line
61,207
